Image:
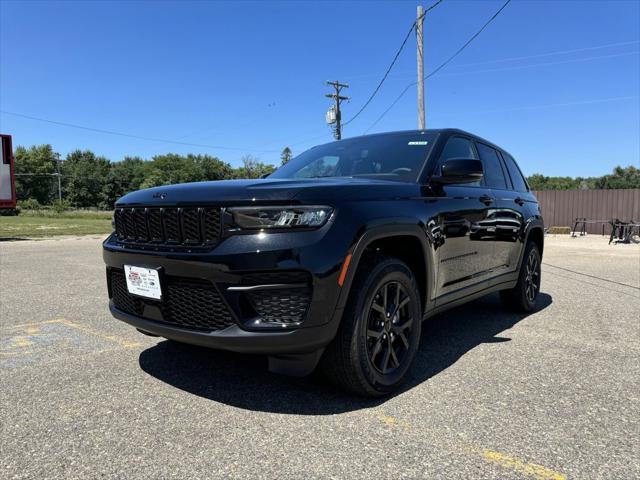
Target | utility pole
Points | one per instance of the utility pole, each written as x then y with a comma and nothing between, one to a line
420,41
59,178
331,118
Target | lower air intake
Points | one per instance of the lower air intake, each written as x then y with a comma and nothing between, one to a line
186,303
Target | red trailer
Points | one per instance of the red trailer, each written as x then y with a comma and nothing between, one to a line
7,174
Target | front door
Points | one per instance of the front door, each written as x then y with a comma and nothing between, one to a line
464,231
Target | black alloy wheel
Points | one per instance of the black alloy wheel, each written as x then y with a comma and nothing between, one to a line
524,295
389,328
532,276
379,333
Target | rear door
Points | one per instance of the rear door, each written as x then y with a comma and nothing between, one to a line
516,204
506,219
464,248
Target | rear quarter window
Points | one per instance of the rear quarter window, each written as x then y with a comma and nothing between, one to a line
517,179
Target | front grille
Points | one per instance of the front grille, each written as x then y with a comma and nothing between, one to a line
186,302
286,306
141,227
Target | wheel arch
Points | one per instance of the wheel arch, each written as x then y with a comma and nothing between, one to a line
536,235
534,231
417,255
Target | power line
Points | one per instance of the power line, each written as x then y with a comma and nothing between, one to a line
473,37
518,67
413,25
443,64
526,57
545,64
117,181
550,54
390,106
36,175
122,134
544,106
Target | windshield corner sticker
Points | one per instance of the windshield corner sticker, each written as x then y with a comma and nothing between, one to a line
418,142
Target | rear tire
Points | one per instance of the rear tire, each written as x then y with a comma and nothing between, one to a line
380,330
522,298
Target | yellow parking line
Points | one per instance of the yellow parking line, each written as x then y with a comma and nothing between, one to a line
393,421
15,354
33,329
21,341
21,326
111,338
533,470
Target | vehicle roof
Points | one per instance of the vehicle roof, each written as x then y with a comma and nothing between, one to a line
444,131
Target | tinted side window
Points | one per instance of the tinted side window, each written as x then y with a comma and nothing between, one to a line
493,174
519,183
457,147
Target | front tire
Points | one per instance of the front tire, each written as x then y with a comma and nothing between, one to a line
523,297
380,330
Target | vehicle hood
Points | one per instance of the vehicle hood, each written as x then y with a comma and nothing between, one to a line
237,192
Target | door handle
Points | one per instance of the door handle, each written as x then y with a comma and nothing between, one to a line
519,201
486,199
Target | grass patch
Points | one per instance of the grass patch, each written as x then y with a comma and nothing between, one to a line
46,226
50,213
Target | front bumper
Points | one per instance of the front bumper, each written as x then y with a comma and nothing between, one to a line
226,267
235,339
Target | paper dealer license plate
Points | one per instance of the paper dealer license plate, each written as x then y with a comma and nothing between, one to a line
142,281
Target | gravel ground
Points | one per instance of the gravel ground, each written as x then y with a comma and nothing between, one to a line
493,395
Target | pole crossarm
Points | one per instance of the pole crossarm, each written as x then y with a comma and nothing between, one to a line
338,99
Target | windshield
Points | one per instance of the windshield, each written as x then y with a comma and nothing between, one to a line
392,157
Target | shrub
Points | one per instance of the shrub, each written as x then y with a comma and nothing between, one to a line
60,207
29,204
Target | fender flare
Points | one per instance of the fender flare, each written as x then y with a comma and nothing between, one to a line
386,231
534,224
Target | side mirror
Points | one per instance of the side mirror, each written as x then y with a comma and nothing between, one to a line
265,175
459,170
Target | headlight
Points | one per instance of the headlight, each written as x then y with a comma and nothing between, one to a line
280,217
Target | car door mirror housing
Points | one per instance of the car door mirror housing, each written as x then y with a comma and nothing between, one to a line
459,170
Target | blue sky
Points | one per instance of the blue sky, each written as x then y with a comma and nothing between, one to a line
249,76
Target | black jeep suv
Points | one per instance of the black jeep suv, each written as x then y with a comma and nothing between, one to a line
333,260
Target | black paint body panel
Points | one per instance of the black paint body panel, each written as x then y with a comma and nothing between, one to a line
472,239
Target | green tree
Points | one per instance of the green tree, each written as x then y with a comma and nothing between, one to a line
153,178
286,155
86,176
174,168
212,168
622,177
540,182
124,177
168,169
35,168
253,168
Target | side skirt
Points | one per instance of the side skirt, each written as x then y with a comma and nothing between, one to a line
473,296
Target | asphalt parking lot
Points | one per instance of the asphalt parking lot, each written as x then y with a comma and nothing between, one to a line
551,395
